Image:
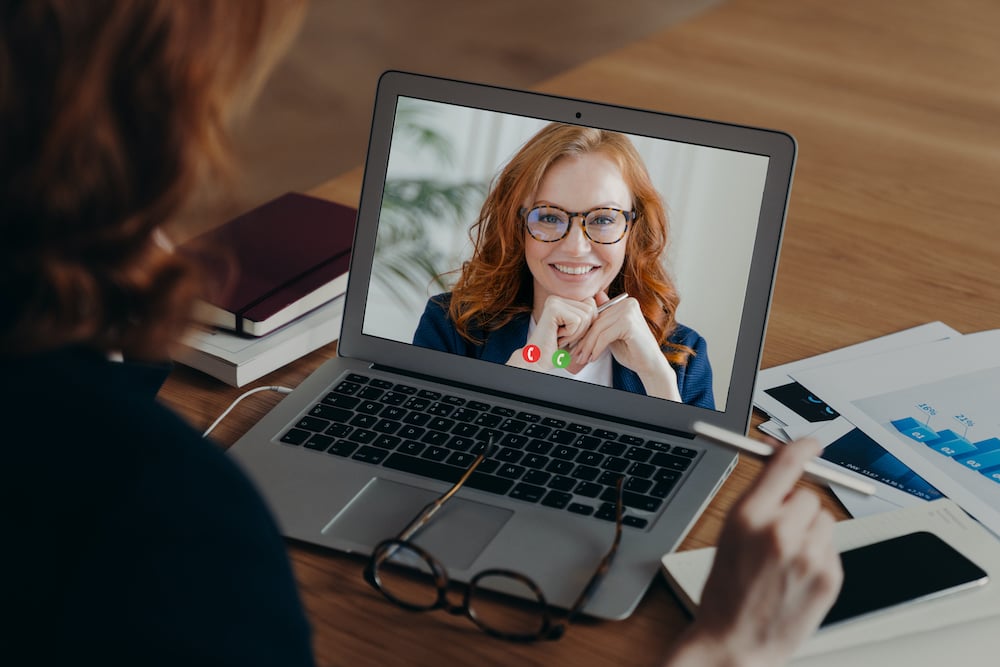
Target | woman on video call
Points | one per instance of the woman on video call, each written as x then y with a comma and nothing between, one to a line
571,222
133,540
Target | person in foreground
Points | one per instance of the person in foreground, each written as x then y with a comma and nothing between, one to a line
571,222
130,539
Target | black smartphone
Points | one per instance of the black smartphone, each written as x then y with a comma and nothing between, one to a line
903,569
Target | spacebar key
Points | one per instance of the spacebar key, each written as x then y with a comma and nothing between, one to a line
446,473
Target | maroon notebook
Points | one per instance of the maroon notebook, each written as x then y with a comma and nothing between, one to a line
275,263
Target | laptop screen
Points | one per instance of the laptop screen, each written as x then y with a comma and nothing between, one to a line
500,237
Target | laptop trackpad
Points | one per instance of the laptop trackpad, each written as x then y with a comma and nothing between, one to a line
456,535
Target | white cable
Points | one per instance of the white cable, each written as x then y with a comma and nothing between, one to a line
277,388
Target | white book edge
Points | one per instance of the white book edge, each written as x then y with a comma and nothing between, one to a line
238,360
686,572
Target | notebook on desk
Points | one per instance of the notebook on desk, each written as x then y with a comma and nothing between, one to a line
359,447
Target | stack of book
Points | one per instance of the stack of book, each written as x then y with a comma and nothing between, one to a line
279,274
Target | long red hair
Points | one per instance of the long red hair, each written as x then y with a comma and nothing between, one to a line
495,285
110,114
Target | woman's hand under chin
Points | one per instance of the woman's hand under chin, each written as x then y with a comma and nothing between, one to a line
561,325
624,330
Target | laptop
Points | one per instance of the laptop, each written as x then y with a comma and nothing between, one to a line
351,456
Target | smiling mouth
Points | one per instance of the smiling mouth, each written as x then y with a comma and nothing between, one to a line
574,270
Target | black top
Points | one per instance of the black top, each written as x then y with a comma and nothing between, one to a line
127,538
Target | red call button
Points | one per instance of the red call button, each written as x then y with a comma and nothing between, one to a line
531,353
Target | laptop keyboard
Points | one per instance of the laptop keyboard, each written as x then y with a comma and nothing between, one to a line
533,458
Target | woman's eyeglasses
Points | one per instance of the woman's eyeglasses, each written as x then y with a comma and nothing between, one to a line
549,224
413,579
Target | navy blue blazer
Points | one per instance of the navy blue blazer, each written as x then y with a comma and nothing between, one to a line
436,331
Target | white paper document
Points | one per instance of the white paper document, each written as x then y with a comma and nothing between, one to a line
935,406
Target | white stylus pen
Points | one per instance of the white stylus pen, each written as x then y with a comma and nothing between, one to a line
722,436
621,297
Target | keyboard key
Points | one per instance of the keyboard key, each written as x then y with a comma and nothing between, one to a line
557,499
638,484
685,452
615,464
404,389
338,430
341,401
634,521
503,412
386,426
381,384
362,436
554,423
588,489
528,417
295,436
412,447
608,512
370,455
564,452
440,424
392,412
363,420
359,379
460,444
587,442
342,448
537,431
539,447
510,471
328,412
428,394
411,432
436,453
508,455
631,440
416,403
579,508
515,441
346,387
559,466
386,441
488,420
605,435
417,418
562,437
479,406
512,425
590,458
663,475
579,428
537,477
527,492
436,438
453,400
534,461
609,478
658,446
319,442
588,473
642,470
638,454
461,459
489,435
393,398
440,409
671,461
662,489
488,466
312,424
370,407
612,448
560,483
371,393
467,430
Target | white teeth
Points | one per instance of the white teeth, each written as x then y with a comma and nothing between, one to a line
574,270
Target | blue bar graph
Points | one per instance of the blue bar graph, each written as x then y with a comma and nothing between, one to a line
982,456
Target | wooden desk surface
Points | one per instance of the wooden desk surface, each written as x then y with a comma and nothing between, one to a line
892,223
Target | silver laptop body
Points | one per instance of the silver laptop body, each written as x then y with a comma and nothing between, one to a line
336,473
